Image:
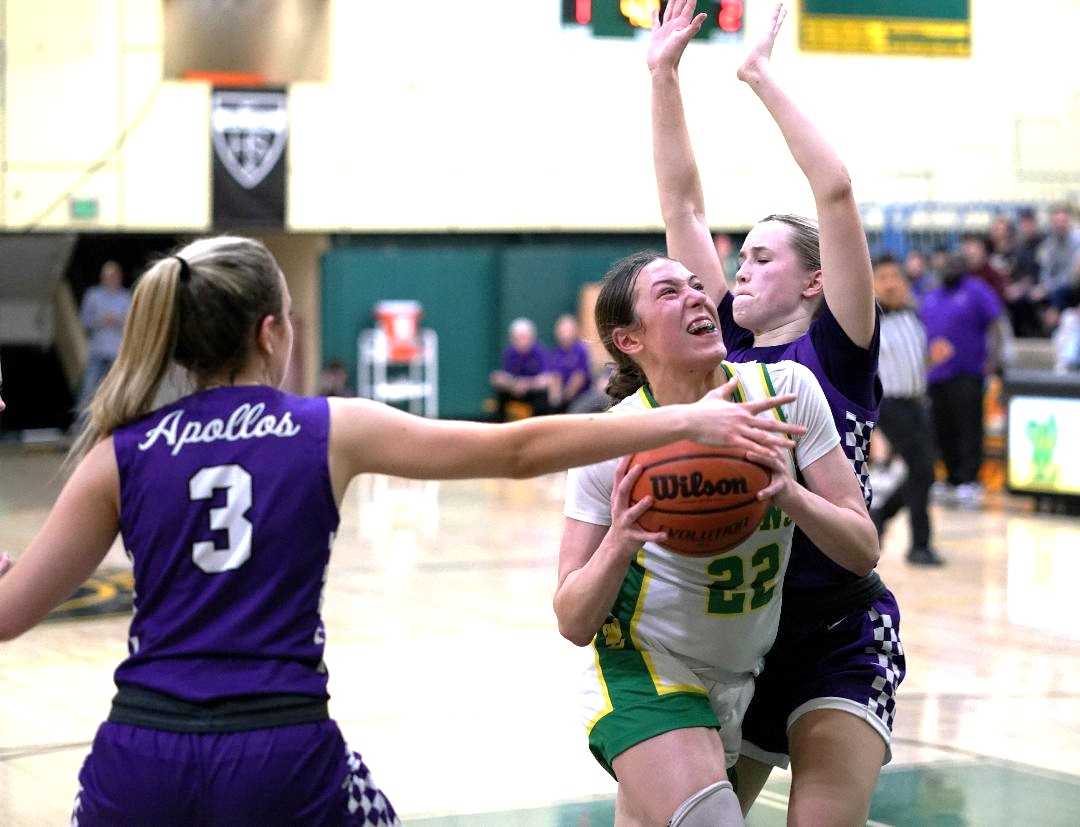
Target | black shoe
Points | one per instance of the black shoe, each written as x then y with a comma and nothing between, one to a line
924,557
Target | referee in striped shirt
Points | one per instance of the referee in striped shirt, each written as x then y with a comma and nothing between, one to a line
903,417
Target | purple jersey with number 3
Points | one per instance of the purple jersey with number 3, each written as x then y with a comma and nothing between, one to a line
227,512
848,375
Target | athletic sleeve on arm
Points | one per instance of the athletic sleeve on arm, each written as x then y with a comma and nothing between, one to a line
588,493
849,368
735,337
812,410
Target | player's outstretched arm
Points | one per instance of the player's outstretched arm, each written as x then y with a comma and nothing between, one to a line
682,201
847,277
76,536
368,437
828,507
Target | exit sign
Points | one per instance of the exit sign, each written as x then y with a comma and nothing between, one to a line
83,209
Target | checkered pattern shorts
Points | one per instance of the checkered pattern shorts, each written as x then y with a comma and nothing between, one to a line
857,448
889,651
366,801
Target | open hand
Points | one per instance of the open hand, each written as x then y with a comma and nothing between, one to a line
781,483
757,62
669,38
625,532
718,421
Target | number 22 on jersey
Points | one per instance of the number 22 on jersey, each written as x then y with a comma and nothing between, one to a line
727,594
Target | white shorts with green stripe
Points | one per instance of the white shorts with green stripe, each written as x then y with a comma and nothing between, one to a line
634,694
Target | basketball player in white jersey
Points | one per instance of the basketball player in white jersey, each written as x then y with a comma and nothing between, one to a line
678,640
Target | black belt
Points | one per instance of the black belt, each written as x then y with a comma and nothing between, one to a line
136,706
833,600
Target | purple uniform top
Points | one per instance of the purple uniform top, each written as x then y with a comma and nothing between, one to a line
227,512
961,316
568,362
848,375
532,362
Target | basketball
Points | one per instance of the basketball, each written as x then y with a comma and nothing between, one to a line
705,498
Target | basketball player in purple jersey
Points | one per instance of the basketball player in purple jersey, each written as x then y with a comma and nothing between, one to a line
826,696
227,503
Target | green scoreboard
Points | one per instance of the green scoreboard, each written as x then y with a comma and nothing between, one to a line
937,28
626,18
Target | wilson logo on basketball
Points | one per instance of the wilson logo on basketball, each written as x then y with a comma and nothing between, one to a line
673,486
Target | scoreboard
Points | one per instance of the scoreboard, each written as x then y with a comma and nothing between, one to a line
940,28
626,18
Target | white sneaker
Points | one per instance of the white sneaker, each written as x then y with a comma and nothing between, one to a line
969,495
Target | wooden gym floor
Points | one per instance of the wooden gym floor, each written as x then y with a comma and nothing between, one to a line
448,673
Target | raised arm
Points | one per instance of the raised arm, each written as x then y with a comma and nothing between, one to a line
682,202
845,260
77,533
368,437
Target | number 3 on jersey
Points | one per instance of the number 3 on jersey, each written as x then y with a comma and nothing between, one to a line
229,518
727,595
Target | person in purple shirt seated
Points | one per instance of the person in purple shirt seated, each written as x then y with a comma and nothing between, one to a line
227,503
526,376
825,700
569,362
961,319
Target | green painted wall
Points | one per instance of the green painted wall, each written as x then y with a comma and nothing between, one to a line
471,288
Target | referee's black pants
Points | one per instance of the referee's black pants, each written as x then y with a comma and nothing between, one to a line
907,427
957,406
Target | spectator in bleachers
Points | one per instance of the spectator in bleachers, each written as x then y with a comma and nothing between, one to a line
964,344
1025,297
104,309
569,364
1027,246
524,385
334,380
939,263
903,419
975,248
1003,246
1059,263
919,277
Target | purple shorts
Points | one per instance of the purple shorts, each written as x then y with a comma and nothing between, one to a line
303,774
852,661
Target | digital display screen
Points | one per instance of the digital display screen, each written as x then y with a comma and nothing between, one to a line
626,18
928,28
1044,445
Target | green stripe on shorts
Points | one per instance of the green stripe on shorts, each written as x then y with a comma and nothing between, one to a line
638,712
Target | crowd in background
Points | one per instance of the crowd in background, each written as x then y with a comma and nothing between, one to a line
535,379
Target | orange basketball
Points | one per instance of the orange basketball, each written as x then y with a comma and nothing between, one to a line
705,498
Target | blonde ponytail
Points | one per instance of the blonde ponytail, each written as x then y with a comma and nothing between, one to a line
127,392
199,309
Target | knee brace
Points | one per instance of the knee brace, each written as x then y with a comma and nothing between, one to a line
715,806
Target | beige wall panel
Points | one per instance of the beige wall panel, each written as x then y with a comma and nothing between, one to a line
29,193
166,160
142,24
502,118
62,94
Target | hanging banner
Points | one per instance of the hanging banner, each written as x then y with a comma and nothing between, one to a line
929,28
249,130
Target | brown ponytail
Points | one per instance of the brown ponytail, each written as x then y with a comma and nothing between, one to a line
615,309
